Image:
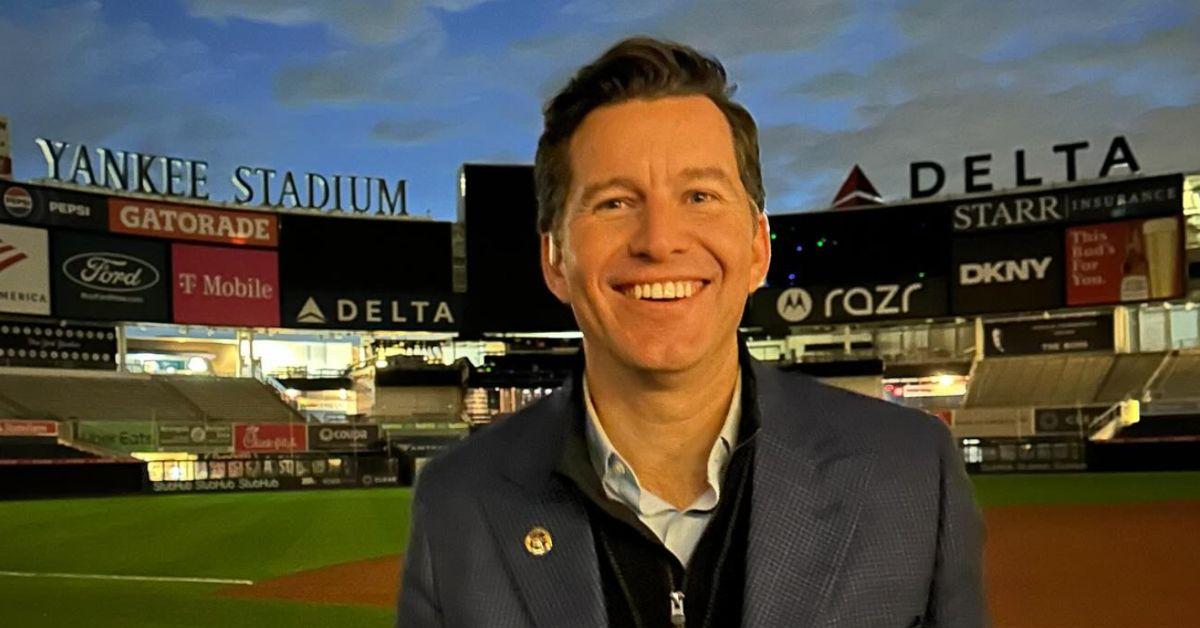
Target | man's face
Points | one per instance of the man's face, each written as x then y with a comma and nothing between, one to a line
659,245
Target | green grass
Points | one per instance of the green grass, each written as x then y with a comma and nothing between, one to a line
263,535
251,536
1086,488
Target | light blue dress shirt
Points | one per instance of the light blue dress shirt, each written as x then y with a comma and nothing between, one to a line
678,530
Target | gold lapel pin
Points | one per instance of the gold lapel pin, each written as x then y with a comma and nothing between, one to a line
538,541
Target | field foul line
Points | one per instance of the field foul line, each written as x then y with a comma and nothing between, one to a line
98,576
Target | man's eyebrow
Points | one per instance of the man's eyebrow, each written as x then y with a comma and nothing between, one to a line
592,190
709,172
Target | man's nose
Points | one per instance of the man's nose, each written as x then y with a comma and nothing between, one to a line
661,231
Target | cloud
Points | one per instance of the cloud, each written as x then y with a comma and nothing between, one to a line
983,77
364,21
410,132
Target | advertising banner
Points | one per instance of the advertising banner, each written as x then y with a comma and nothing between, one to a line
775,307
123,436
194,437
1024,209
1149,196
57,346
186,222
1066,420
223,286
378,310
19,427
24,270
1063,335
269,437
1017,271
110,278
5,150
40,205
1124,262
342,437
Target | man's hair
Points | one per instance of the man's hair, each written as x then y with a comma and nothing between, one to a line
637,68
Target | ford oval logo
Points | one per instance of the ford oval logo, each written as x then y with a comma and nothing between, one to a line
111,272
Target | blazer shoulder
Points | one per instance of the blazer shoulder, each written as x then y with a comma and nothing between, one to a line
468,466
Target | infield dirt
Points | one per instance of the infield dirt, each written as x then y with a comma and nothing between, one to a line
1056,566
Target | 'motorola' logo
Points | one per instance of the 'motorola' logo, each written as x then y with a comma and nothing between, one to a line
794,305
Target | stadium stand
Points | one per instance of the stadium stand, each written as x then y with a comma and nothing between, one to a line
1128,376
1061,380
39,448
100,395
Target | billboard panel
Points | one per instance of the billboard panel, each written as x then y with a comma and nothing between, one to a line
19,427
57,346
1125,262
40,205
777,308
173,221
194,437
110,278
365,310
1130,198
1060,335
1011,271
269,437
342,437
223,286
24,270
123,436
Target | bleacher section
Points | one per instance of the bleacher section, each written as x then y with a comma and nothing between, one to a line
1060,380
232,399
103,396
1129,375
1179,379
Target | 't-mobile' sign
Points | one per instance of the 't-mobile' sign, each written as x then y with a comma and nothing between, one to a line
223,286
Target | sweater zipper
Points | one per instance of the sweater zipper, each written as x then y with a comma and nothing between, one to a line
676,597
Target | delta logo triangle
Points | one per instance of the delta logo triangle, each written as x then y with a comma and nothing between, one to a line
856,191
310,313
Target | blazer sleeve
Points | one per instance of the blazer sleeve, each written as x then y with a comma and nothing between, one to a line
956,597
418,603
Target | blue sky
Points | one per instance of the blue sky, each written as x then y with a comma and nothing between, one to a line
411,89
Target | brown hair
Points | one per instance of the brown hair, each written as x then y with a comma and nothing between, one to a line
639,67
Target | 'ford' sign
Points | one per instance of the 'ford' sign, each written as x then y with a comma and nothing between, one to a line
111,272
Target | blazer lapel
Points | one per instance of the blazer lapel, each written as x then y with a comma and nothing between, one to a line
805,502
562,586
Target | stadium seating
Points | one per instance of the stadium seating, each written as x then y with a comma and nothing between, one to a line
1058,380
63,395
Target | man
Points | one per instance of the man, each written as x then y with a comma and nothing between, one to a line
673,480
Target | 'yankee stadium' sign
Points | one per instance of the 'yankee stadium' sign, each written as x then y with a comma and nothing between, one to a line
131,171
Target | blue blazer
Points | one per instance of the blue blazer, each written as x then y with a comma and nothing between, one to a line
861,515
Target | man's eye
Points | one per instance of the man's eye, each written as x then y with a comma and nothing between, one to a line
700,197
612,203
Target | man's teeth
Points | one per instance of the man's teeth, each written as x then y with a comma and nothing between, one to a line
664,290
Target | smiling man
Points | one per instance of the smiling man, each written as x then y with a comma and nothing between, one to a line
673,479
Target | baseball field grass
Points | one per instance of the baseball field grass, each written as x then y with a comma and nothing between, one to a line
58,557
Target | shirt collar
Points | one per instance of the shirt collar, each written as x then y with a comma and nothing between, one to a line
619,479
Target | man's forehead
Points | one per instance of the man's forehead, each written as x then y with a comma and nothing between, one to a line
680,137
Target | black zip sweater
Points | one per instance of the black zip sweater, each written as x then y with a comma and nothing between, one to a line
638,573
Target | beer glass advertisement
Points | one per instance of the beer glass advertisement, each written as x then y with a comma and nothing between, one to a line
109,278
222,286
1125,262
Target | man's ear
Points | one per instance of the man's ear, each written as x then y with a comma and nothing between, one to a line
760,255
552,263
